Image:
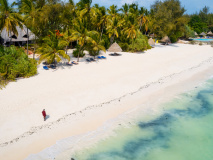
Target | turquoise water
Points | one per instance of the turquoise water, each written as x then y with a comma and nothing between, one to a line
203,39
182,131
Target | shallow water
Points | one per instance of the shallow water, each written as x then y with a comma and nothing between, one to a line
183,131
203,39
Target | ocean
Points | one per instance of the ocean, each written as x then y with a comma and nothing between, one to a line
182,130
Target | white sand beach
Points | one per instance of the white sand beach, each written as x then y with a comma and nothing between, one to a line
81,98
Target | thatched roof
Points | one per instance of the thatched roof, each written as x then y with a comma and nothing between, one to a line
210,33
196,34
115,48
202,34
165,39
151,42
152,35
22,35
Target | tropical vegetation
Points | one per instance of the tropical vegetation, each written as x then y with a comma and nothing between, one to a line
60,25
15,63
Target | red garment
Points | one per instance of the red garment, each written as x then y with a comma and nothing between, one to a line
44,113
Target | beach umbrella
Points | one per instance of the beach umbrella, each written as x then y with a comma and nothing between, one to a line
196,34
210,33
202,34
115,48
165,39
151,42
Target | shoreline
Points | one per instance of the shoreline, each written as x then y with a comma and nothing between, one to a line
160,90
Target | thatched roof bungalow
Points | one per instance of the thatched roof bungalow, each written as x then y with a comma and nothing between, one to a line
166,40
151,42
210,33
203,34
115,48
18,40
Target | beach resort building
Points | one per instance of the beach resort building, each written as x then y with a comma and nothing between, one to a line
10,38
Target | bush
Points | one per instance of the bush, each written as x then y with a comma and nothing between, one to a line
211,43
200,43
15,63
192,42
124,46
106,40
139,44
76,52
173,38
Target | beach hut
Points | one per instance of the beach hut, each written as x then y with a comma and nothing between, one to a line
166,40
17,40
209,33
203,34
115,48
151,42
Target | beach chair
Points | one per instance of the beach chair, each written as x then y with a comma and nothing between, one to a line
45,67
88,60
74,62
92,59
69,63
103,57
99,57
52,66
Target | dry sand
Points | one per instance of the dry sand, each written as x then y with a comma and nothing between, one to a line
80,98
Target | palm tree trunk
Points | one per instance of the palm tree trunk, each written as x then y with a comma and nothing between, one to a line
102,32
66,49
79,54
34,49
27,41
140,25
112,39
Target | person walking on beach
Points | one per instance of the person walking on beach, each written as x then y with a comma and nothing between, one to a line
44,114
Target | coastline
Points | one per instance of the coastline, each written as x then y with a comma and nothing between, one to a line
152,91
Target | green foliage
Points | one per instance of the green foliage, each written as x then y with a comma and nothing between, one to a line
200,43
168,19
52,48
15,63
124,46
77,52
139,44
189,32
192,42
202,21
196,24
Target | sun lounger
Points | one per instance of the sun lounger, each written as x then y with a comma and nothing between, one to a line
88,60
45,67
92,59
74,62
52,66
69,63
99,57
103,57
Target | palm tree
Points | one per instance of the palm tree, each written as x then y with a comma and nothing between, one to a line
52,48
30,11
125,9
68,16
9,19
113,26
97,45
131,32
103,20
81,35
113,11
